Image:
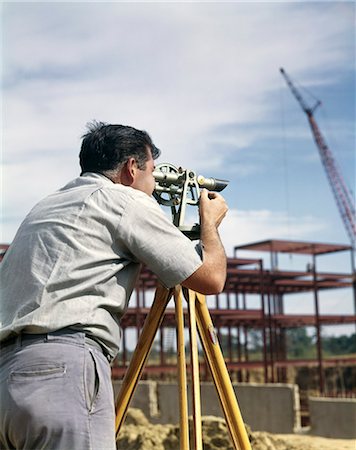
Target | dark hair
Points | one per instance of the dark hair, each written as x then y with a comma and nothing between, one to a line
106,147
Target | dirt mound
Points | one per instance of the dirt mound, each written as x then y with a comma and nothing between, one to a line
138,434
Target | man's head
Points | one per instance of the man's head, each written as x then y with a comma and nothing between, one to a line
122,153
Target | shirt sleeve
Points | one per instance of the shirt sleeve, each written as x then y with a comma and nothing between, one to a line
153,239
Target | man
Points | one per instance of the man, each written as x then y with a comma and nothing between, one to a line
66,281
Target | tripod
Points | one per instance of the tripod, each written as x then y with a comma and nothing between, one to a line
199,317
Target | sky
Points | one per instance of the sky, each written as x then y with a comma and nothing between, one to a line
203,79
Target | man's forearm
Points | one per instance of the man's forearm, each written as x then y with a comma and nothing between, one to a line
211,276
214,256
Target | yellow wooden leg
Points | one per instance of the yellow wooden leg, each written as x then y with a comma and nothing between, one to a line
221,376
182,371
197,426
140,354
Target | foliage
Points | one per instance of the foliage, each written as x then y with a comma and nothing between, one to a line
302,345
341,345
299,343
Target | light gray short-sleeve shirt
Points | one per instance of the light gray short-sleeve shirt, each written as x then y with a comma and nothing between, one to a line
77,255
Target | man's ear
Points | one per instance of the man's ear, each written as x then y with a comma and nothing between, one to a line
128,172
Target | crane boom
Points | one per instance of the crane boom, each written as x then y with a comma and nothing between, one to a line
342,195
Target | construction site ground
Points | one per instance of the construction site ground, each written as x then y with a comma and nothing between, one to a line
138,434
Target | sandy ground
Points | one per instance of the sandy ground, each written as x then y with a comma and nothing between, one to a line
317,443
138,434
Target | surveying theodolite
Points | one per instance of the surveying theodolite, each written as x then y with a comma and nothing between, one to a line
178,188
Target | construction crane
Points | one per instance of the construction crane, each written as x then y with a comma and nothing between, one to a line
342,194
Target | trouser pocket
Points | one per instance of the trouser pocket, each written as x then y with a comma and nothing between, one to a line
40,371
91,380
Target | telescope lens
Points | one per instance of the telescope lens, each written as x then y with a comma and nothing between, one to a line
220,185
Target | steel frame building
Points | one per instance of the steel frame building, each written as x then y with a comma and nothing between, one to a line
270,286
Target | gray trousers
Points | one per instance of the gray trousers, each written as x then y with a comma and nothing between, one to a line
56,393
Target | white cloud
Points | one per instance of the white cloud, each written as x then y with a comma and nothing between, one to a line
241,227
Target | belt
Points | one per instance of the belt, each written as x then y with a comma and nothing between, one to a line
18,338
43,337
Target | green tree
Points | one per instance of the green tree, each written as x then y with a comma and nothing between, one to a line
299,344
339,345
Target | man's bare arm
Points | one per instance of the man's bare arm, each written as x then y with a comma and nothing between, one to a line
211,276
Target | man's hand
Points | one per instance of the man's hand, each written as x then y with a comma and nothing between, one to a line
212,208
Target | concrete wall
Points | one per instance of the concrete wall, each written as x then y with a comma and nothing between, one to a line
267,407
333,417
270,407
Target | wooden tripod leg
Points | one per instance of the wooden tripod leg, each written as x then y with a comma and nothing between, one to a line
139,357
196,406
182,372
221,376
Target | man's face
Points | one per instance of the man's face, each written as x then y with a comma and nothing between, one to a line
144,179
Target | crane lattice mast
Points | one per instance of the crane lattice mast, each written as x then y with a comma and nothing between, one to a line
343,197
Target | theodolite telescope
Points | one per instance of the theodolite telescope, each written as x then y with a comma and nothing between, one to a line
177,188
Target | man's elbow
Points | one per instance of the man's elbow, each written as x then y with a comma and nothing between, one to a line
211,285
214,287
